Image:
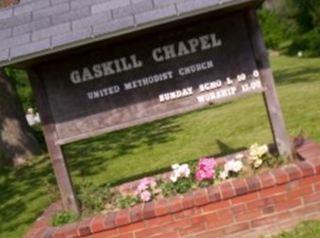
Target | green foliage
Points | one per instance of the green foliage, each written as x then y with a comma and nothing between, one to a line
168,189
38,134
309,43
127,201
294,23
275,30
182,186
63,218
307,229
22,84
271,161
93,198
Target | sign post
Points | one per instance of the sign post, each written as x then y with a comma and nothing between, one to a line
60,168
276,120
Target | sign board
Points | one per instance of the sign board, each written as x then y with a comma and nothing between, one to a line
151,77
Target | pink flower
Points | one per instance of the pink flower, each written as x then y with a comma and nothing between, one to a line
206,169
145,196
145,184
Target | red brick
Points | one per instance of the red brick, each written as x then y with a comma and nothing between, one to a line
216,206
248,215
72,232
317,166
270,219
305,210
199,219
194,228
293,172
260,203
109,221
240,208
280,176
161,207
148,210
245,198
131,227
57,234
173,226
309,180
172,234
311,198
108,233
266,193
279,198
227,191
48,233
187,200
254,183
221,218
159,221
240,186
217,233
288,204
237,228
200,197
136,213
122,217
187,213
128,235
268,210
300,191
174,204
97,224
317,187
306,168
267,180
214,194
84,227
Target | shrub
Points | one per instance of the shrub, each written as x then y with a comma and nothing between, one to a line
275,28
93,198
126,201
309,43
63,218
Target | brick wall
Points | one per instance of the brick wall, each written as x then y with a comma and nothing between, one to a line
264,204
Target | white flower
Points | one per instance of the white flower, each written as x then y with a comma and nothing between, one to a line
255,154
258,151
257,163
179,171
184,170
233,165
239,156
173,177
237,166
223,175
175,166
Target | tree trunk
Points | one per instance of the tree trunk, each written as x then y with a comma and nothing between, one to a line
17,143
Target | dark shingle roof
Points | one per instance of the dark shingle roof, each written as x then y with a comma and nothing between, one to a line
39,27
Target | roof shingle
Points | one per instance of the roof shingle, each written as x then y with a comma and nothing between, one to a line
39,27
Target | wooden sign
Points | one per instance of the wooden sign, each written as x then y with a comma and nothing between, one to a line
151,77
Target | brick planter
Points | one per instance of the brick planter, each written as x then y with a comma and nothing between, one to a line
263,204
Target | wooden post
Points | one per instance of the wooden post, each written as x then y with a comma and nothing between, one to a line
277,124
68,196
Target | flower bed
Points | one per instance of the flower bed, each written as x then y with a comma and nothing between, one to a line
270,201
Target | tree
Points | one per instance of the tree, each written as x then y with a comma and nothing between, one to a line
17,143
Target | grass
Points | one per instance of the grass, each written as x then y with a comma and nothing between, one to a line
308,229
132,153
